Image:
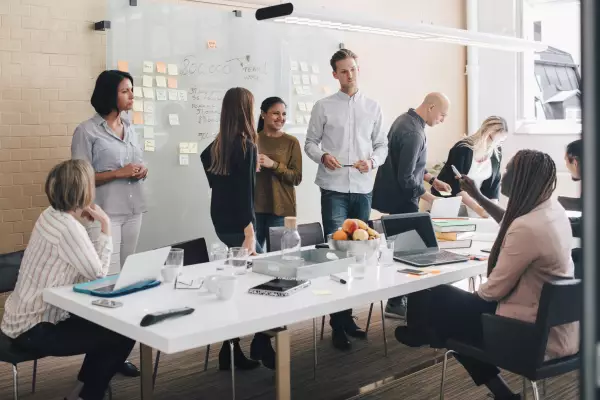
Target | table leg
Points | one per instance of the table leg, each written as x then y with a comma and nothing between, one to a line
146,372
282,365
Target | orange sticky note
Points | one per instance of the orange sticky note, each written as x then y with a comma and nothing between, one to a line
161,67
123,66
138,118
435,272
172,83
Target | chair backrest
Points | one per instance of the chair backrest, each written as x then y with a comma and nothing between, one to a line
376,225
194,251
9,270
311,234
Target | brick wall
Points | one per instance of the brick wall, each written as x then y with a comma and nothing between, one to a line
49,58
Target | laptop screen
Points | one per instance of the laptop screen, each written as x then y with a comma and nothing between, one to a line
413,232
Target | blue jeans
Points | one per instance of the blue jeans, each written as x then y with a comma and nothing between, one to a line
335,208
263,223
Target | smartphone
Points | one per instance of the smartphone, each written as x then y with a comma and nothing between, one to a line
410,271
458,174
107,303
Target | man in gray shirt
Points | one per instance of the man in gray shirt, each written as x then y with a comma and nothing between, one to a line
399,183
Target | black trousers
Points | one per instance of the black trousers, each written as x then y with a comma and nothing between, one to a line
451,313
105,351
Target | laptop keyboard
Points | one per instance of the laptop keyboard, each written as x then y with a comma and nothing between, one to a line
434,258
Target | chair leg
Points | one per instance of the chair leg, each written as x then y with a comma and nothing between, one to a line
206,358
155,372
315,348
34,377
15,383
472,284
444,366
524,390
369,319
322,327
109,390
232,370
534,389
385,351
544,388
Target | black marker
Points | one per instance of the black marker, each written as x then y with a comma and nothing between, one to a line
338,280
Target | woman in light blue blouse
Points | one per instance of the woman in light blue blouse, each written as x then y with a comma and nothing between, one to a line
109,143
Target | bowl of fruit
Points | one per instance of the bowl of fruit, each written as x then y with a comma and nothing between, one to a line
355,235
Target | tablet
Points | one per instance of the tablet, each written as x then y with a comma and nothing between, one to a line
279,287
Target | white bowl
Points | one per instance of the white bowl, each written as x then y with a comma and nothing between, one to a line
369,247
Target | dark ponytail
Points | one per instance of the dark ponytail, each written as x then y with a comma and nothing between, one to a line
264,107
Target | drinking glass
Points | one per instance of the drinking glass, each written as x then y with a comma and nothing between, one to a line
238,258
386,252
175,262
358,268
219,252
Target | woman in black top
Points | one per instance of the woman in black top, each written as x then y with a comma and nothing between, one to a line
479,157
230,164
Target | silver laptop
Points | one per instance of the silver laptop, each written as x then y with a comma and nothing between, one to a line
140,267
415,241
446,207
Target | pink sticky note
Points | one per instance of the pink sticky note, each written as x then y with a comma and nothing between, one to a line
161,67
123,66
172,83
138,118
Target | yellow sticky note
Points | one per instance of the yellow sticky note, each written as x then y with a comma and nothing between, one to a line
161,81
172,83
148,93
322,292
138,118
147,81
193,147
149,144
148,67
138,105
161,67
183,148
123,66
172,68
137,91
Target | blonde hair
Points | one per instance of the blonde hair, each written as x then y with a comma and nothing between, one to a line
70,185
479,140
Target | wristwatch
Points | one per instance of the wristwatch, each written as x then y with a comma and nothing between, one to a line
432,180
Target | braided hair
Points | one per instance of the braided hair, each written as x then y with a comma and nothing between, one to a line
533,182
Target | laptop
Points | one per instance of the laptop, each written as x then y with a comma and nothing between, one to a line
138,268
415,241
446,207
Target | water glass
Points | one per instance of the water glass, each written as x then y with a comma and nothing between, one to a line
219,252
386,252
174,262
238,259
358,268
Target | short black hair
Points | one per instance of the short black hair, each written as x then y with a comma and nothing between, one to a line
575,150
104,98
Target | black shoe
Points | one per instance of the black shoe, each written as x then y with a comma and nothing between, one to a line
268,356
354,330
411,337
259,343
239,359
339,340
130,370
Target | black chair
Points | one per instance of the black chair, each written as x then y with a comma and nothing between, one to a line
194,252
311,234
519,346
9,352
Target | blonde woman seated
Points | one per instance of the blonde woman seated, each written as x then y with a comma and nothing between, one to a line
61,253
479,157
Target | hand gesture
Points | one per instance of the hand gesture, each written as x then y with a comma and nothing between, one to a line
468,185
128,171
142,172
363,166
441,186
330,162
265,161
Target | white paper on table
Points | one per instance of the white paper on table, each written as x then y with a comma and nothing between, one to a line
173,119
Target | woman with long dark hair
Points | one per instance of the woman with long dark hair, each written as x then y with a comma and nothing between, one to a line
533,247
280,160
230,163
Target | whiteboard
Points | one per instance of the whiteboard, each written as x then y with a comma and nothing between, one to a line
212,51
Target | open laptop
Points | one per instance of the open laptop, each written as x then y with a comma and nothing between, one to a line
446,207
140,267
415,241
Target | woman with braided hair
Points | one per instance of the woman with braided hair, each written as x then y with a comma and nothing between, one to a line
533,247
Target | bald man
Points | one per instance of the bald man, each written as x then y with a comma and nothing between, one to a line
399,183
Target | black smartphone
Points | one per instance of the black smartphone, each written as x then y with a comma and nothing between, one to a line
411,271
322,246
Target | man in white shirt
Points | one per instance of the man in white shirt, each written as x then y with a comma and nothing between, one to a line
346,139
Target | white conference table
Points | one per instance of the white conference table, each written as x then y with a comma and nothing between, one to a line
215,320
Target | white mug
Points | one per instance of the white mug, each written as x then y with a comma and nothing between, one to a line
221,285
169,273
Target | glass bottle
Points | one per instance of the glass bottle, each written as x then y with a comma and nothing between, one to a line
290,241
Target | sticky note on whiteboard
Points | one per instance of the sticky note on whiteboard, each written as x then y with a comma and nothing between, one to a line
138,105
147,81
315,69
294,65
161,94
138,118
149,106
296,80
172,68
302,106
148,67
182,95
137,92
314,79
183,148
161,81
309,106
148,118
123,66
304,66
173,95
172,83
300,120
305,80
173,119
149,144
161,67
184,159
193,147
148,93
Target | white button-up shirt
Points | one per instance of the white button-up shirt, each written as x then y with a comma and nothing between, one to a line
350,129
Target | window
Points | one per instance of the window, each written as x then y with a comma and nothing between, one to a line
549,81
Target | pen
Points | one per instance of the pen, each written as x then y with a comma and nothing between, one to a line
337,279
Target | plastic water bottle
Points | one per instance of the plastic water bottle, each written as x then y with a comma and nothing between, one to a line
290,241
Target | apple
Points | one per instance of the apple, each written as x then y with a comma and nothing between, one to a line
350,226
360,234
